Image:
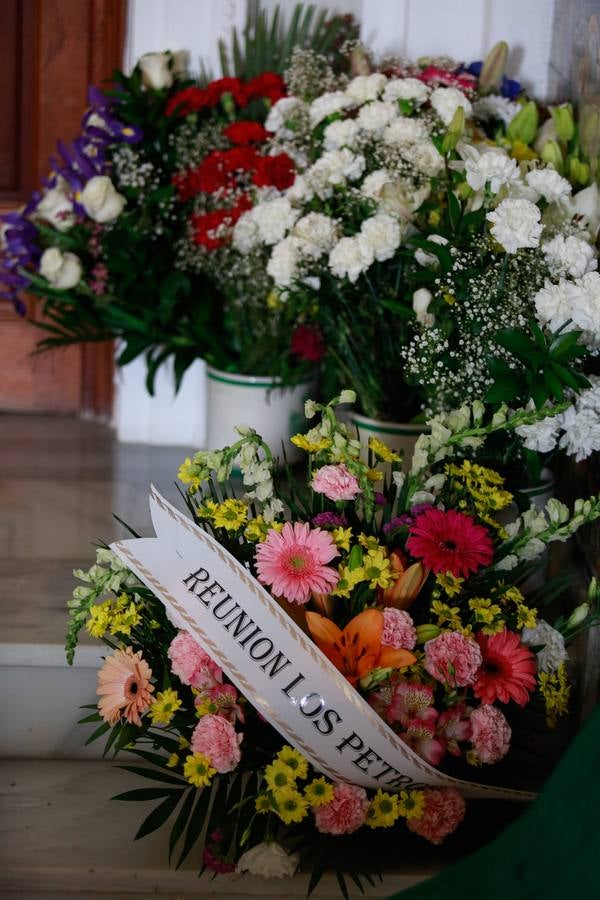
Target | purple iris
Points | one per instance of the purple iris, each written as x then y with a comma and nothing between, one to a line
508,86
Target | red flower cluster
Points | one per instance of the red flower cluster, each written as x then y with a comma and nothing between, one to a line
246,132
221,169
274,171
269,86
212,229
435,75
308,343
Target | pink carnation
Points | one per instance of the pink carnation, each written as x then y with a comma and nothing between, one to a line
444,811
336,482
490,733
345,813
191,664
217,738
398,629
453,659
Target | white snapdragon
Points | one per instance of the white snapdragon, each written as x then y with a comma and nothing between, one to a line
549,184
281,113
516,224
541,436
493,167
318,233
62,270
446,100
326,105
274,218
420,303
405,131
246,235
350,257
365,87
494,106
284,261
376,115
373,183
430,259
382,235
101,200
553,651
570,256
406,89
270,860
56,206
341,133
425,157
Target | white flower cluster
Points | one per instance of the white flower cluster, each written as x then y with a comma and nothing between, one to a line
552,650
573,305
576,430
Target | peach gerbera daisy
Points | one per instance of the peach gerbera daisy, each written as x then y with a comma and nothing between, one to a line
124,687
293,562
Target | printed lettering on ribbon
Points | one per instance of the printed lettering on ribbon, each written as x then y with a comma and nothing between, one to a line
272,662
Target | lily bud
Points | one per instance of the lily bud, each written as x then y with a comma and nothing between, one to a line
523,127
374,677
407,586
455,130
578,170
493,66
589,129
563,121
427,632
578,616
359,62
324,604
552,155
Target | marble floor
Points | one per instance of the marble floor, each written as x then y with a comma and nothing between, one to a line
61,480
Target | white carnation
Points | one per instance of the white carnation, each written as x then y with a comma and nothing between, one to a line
493,167
245,233
553,651
341,133
494,106
365,87
425,157
376,115
430,259
406,89
317,232
300,191
570,256
382,235
284,261
281,113
270,860
274,218
446,100
326,105
405,131
516,224
584,296
549,184
371,186
581,423
334,168
350,257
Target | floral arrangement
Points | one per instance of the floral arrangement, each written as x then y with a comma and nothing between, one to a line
408,584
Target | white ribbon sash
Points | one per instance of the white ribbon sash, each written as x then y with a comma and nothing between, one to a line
283,674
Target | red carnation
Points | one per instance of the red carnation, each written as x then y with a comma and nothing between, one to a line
450,541
507,671
274,171
269,85
233,86
187,101
213,229
240,159
246,132
308,343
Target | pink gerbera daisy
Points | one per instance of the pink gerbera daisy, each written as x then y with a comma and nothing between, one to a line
293,562
124,687
507,671
450,541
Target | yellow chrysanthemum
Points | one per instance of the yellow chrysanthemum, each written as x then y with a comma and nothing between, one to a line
446,613
198,770
383,811
411,804
378,569
279,776
294,761
369,542
123,622
374,475
164,707
451,584
318,792
183,742
342,538
291,806
173,761
487,614
348,580
527,616
264,803
98,623
257,530
188,474
301,441
231,515
383,452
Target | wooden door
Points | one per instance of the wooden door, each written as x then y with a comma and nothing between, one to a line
50,51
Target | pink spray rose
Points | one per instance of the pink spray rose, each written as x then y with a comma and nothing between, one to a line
345,813
336,482
217,738
444,811
191,664
453,659
490,733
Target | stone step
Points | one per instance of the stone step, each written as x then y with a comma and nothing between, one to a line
62,837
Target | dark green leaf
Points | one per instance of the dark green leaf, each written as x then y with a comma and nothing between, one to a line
159,815
146,794
153,774
195,824
181,821
98,733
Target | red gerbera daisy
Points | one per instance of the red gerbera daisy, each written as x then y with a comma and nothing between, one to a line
507,671
450,541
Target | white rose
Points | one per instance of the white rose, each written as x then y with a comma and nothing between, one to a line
350,257
341,133
405,131
159,70
246,235
56,207
570,256
516,224
366,87
374,182
284,261
274,218
549,184
62,270
430,259
101,201
446,100
406,89
269,860
382,235
317,232
420,302
425,156
493,167
376,115
326,105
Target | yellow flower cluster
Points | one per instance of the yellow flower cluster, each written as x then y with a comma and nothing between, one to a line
526,615
374,566
447,615
230,514
198,770
484,487
556,691
189,474
113,616
283,796
487,614
311,446
449,583
386,809
164,707
383,452
257,529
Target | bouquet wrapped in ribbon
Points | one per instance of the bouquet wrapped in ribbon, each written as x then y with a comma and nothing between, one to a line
309,662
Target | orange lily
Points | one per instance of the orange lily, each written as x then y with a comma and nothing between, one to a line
407,585
356,650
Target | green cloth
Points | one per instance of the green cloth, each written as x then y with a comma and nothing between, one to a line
551,852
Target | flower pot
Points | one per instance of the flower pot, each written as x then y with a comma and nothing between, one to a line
398,436
275,412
